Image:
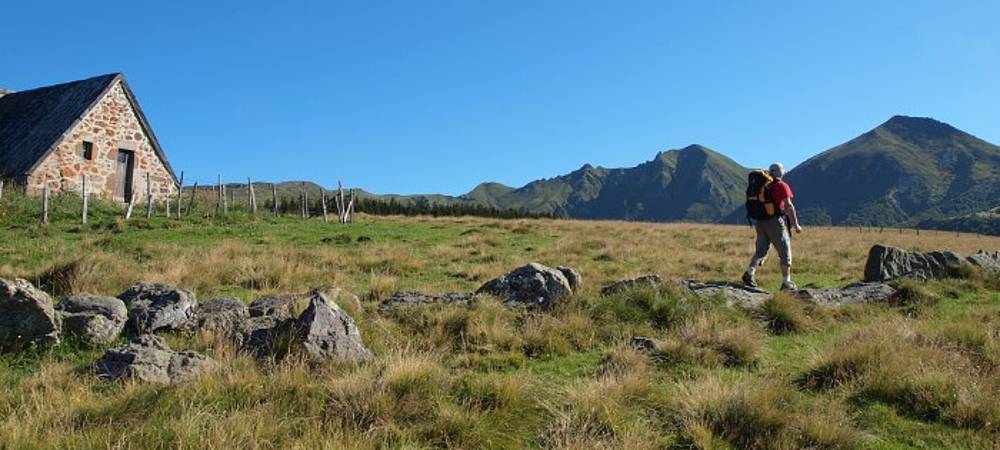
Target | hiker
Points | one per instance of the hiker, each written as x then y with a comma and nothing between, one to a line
769,209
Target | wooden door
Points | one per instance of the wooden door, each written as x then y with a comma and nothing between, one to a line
124,166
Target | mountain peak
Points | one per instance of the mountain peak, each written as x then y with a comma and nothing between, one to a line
917,128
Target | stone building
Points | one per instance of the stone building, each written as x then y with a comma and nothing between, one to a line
93,127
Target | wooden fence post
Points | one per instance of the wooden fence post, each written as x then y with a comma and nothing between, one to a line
323,196
343,205
1,188
131,202
194,190
149,198
45,203
222,190
350,208
252,197
180,195
218,196
83,191
274,198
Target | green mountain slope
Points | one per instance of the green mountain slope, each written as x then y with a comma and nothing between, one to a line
904,171
693,183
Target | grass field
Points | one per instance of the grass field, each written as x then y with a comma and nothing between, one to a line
921,373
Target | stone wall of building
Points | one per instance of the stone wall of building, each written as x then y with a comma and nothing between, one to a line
111,125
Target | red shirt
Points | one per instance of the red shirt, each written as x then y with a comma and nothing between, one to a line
780,191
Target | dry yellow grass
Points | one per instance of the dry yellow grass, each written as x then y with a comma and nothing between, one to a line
490,377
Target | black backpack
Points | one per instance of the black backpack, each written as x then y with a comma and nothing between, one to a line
760,205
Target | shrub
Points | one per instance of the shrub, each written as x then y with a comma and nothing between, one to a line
784,314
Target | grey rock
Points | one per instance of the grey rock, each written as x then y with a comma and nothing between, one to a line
403,299
735,295
645,281
220,315
852,294
642,343
573,276
157,307
148,358
27,316
530,285
327,331
93,318
278,306
986,260
886,263
260,336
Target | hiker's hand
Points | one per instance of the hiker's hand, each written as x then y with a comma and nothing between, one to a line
798,228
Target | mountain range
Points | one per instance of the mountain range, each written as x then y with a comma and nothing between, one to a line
908,171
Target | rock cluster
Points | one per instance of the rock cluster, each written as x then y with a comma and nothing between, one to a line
266,328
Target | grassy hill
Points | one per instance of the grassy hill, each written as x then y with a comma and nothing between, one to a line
904,172
922,373
692,184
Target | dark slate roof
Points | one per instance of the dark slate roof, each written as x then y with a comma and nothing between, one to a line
32,122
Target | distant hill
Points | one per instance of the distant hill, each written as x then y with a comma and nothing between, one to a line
693,184
907,171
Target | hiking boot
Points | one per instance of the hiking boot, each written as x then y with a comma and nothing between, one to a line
748,280
789,286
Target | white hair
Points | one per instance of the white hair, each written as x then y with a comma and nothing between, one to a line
777,170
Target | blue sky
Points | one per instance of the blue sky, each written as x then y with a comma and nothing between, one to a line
437,96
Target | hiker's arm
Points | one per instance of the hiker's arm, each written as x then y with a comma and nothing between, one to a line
790,211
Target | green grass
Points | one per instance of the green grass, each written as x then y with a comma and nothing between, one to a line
489,377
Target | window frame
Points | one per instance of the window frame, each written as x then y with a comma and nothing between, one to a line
87,150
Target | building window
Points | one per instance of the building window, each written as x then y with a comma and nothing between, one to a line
88,150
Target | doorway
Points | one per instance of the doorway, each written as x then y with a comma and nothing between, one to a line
123,174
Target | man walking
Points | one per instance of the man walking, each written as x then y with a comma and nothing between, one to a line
773,229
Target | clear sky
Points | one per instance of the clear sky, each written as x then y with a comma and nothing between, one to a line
437,96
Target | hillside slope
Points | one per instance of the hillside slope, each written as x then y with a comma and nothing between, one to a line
902,172
692,184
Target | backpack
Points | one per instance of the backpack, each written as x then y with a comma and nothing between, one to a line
760,206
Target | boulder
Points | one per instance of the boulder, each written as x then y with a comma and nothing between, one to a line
642,343
403,299
148,358
27,316
852,294
645,281
530,285
327,331
734,294
278,306
157,307
259,336
886,263
93,318
220,315
573,276
986,260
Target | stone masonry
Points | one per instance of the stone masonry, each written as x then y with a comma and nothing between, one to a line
110,125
